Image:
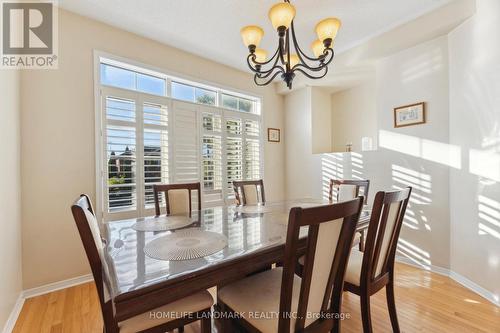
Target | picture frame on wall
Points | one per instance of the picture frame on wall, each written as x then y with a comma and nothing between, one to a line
273,135
409,115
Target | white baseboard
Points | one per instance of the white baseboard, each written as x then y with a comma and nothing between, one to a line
495,299
14,314
431,268
474,287
29,293
48,288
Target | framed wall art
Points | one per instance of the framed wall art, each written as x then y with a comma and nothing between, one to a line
273,135
409,115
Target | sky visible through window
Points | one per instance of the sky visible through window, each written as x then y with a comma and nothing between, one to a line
131,80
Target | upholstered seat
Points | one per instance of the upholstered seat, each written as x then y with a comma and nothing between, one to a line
257,298
164,314
353,272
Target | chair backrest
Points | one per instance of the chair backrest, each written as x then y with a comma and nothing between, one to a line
387,216
347,189
247,192
94,246
330,236
177,197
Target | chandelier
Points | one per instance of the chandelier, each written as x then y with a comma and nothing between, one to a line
289,57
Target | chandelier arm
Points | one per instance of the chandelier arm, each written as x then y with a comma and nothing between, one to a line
269,72
255,78
298,69
301,53
266,73
297,47
252,56
321,65
260,71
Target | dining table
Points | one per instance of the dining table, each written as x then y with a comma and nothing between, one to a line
255,240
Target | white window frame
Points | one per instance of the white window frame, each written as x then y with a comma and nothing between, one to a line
100,121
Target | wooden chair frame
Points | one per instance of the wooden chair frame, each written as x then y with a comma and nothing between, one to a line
101,279
238,187
370,283
359,183
332,300
167,187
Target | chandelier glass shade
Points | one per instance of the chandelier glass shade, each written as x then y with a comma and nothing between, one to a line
289,58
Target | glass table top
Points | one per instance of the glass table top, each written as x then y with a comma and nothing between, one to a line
248,229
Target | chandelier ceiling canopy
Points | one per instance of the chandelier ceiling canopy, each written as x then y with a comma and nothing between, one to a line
289,57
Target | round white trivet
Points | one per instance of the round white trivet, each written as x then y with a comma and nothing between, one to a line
163,223
185,244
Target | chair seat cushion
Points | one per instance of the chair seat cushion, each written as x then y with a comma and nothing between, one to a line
257,299
354,265
164,314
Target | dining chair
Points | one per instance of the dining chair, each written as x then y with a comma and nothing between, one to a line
247,192
177,197
311,303
190,309
373,269
346,189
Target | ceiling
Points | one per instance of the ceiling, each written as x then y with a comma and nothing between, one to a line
210,28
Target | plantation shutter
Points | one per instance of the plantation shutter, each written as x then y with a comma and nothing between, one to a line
185,145
212,157
135,154
252,150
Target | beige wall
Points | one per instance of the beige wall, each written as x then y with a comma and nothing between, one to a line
354,116
58,137
321,119
416,156
475,128
10,195
302,178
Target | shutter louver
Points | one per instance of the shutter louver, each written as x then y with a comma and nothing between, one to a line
120,140
186,152
155,150
212,158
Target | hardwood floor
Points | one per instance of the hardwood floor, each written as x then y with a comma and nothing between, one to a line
426,302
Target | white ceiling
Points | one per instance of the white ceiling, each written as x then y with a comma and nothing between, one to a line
210,28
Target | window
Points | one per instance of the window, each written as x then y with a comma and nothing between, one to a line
189,93
238,103
149,138
128,79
